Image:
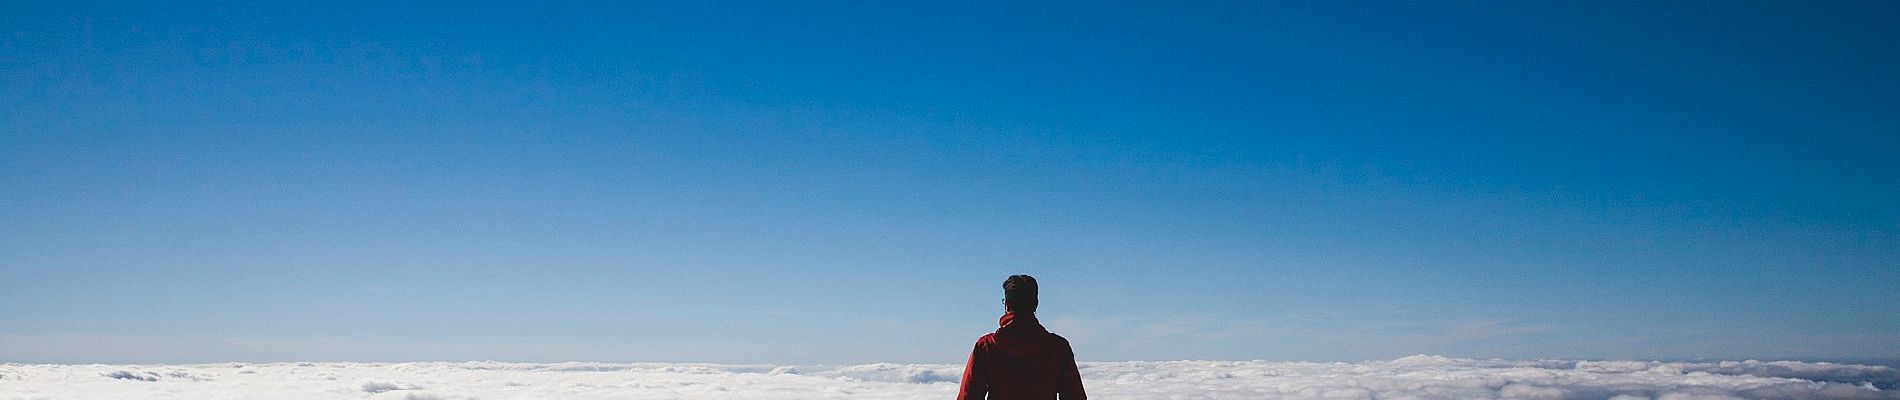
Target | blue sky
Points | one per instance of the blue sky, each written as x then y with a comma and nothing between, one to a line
850,182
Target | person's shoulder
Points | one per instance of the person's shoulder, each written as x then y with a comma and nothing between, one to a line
1058,339
987,339
1061,345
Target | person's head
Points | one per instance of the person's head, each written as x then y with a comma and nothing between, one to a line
1019,294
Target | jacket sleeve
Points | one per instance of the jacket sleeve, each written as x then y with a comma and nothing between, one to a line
976,383
1069,382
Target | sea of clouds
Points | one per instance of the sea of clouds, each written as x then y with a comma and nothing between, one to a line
1416,377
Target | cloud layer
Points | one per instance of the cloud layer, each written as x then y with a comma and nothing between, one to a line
1417,377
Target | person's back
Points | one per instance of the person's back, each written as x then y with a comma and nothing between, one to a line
1022,360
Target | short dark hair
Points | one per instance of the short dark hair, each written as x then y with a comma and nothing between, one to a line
1019,293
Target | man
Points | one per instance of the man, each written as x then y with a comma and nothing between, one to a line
1021,360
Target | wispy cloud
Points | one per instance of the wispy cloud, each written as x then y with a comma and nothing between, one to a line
1303,336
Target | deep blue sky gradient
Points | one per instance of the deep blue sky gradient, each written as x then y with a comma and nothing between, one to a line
850,182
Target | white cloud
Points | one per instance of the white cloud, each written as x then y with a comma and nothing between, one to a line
1417,377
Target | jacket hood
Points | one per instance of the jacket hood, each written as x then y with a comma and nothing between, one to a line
1021,334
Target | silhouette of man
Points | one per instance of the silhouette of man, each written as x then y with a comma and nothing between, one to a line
1021,360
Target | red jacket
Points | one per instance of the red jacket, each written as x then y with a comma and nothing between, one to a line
1021,361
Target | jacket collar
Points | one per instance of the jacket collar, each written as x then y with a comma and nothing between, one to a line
1012,321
